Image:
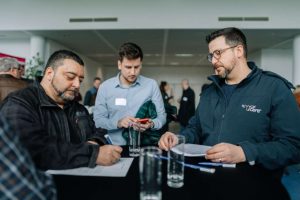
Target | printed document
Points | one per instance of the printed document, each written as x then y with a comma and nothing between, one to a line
119,169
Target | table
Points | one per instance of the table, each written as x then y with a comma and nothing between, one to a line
242,182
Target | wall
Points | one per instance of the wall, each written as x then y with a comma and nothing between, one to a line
173,75
16,47
279,61
255,57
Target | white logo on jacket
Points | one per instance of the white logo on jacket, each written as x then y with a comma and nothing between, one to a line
251,108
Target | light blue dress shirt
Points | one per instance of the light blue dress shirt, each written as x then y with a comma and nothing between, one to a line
115,102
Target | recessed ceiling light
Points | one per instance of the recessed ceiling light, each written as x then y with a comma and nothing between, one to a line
151,63
184,55
102,55
149,55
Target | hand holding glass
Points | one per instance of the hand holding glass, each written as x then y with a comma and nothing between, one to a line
176,163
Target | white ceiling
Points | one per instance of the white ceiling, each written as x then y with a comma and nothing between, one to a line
164,47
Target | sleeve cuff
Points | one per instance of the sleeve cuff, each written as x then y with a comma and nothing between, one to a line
94,155
250,152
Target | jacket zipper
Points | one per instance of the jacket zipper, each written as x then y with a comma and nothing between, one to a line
223,114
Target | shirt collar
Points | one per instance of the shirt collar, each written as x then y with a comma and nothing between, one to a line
117,82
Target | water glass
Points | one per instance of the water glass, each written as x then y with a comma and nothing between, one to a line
134,139
175,174
150,173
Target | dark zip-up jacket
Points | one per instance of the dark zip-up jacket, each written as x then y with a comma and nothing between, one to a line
187,106
55,137
261,116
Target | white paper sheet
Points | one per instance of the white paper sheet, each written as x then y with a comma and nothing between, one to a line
192,150
119,169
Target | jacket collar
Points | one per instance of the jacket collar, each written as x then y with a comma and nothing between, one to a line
254,72
44,99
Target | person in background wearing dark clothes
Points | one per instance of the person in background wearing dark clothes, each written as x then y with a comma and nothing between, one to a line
90,95
164,87
58,131
171,110
187,104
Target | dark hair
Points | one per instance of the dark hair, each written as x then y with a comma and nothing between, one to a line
233,36
97,78
130,51
57,58
162,86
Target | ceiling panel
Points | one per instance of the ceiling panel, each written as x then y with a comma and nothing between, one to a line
161,47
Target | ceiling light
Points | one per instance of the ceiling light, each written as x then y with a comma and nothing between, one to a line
149,55
174,63
184,55
150,63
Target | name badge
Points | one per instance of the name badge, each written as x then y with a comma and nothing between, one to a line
120,102
184,98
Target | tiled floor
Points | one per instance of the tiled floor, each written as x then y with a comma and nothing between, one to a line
291,181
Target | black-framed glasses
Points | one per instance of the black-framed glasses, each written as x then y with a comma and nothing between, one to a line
217,53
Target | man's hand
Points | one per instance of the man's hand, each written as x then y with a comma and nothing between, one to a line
167,141
108,155
226,153
124,122
146,126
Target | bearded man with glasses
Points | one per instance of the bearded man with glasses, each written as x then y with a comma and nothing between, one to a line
247,115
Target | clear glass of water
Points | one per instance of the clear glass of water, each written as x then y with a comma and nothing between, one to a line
134,139
150,173
175,175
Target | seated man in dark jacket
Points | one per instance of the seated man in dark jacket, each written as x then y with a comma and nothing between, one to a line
56,130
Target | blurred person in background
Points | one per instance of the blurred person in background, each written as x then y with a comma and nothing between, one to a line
10,77
90,95
171,111
186,104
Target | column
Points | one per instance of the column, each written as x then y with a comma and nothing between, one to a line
37,45
296,70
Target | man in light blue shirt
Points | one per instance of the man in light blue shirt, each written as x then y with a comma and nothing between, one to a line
120,97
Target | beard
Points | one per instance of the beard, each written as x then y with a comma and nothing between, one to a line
225,74
63,94
226,71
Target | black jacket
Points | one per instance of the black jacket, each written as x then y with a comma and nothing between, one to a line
187,106
55,137
262,117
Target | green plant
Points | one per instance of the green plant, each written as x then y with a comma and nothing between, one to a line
34,68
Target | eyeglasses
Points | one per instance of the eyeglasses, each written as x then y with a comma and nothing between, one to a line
217,53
